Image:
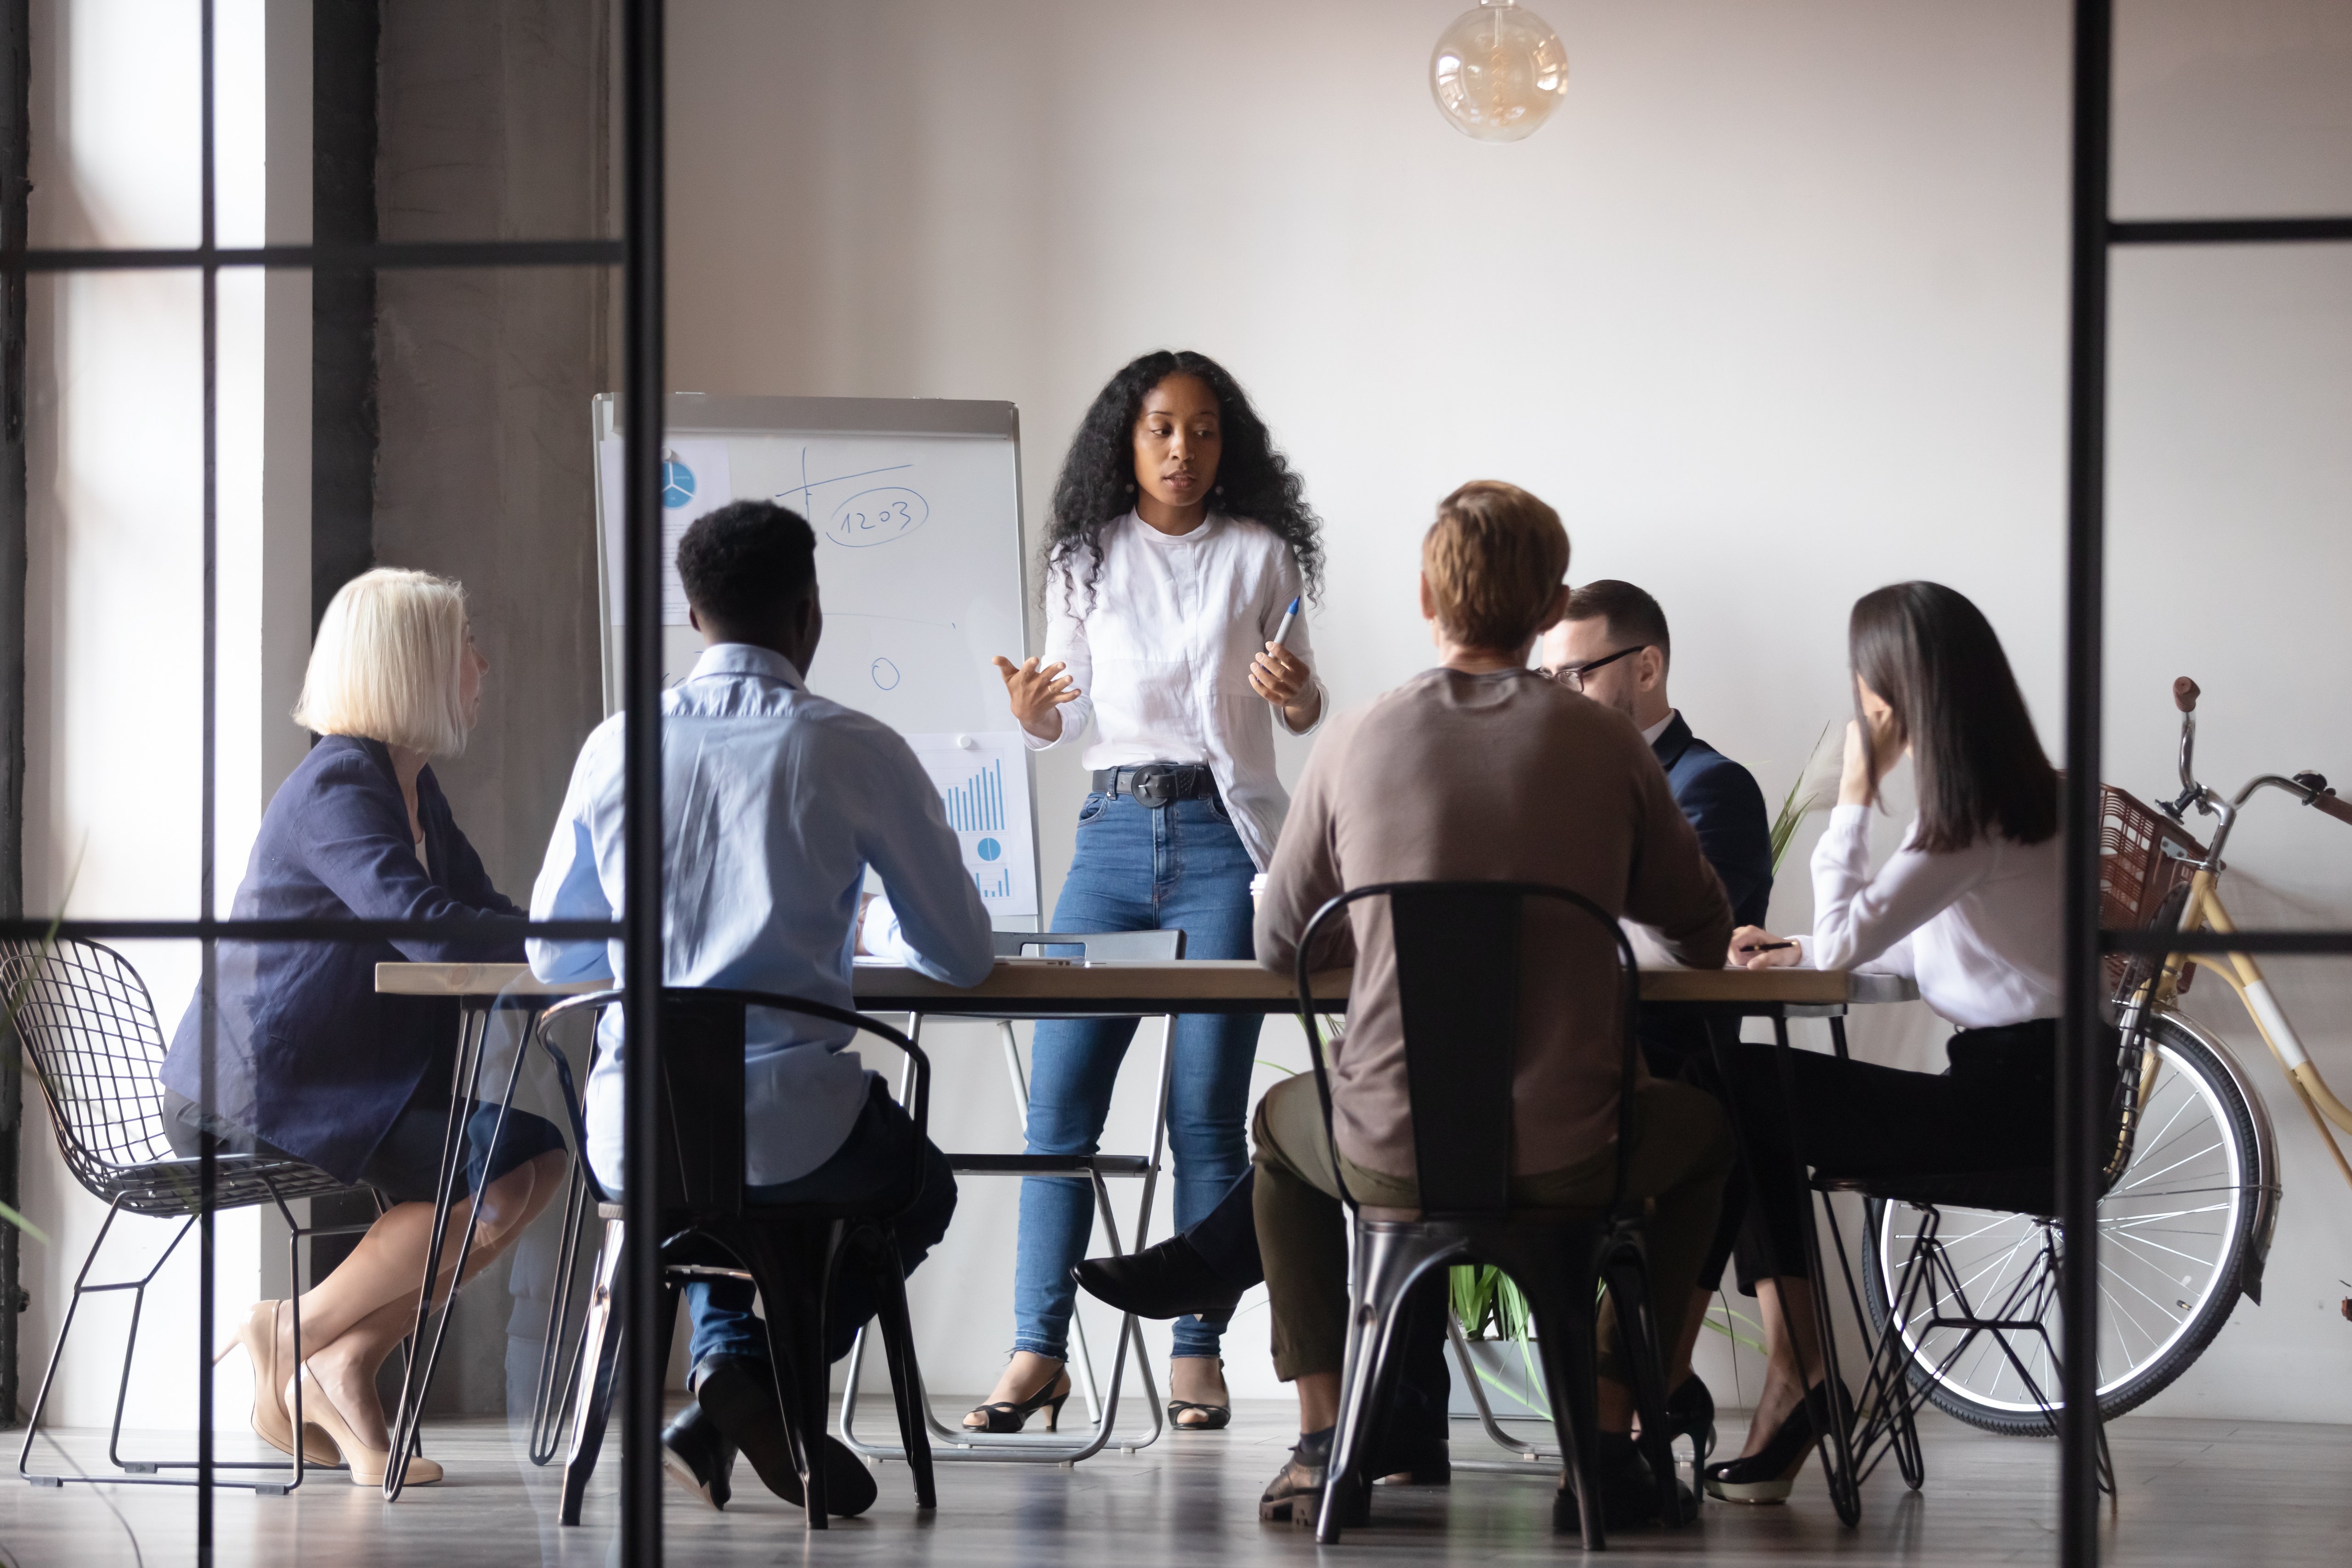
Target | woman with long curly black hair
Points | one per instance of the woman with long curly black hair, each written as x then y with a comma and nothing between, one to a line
1179,540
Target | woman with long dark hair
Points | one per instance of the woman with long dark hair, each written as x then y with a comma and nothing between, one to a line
1179,540
1969,907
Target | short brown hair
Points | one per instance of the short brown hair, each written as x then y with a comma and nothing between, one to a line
1494,559
1632,617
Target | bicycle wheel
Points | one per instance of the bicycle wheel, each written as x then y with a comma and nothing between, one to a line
2173,1234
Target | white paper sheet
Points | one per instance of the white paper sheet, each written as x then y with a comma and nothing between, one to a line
694,480
983,783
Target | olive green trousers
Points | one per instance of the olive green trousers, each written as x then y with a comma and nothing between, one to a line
1682,1150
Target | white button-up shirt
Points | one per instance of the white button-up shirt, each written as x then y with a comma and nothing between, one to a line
1981,929
1160,656
774,802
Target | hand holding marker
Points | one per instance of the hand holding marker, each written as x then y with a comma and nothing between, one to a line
1275,675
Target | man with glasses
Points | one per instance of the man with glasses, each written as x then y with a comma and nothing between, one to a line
1614,648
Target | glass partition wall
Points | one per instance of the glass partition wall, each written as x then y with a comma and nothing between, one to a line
252,351
162,634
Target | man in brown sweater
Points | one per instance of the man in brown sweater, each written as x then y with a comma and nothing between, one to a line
1482,770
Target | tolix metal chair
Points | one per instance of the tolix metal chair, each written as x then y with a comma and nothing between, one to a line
1458,955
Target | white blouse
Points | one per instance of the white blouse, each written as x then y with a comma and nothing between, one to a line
1980,930
1160,657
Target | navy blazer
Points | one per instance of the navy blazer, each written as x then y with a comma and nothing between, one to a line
307,1055
1720,797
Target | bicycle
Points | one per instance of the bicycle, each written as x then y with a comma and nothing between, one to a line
2192,1185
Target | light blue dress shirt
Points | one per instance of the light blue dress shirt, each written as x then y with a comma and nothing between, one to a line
774,802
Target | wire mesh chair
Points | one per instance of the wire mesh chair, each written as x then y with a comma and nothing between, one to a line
92,1042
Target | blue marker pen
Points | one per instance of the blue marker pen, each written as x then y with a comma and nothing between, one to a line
1282,632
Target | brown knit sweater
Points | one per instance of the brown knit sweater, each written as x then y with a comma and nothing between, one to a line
1503,777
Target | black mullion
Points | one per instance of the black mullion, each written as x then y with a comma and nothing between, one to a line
2229,231
388,256
2308,943
646,1359
207,1163
445,930
2080,1106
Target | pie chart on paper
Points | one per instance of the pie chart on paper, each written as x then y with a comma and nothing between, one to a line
678,482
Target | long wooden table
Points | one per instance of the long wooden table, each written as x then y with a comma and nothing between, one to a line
1191,985
1026,987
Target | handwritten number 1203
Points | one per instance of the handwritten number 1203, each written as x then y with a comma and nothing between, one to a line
878,517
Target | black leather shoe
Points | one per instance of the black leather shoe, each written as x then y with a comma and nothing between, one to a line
739,1396
1431,1465
1690,1413
697,1457
1168,1279
1628,1491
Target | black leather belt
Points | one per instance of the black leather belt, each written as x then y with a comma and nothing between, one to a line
1156,785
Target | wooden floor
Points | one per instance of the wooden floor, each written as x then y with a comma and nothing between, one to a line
2238,1494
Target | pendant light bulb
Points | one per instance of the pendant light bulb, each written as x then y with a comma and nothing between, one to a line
1498,71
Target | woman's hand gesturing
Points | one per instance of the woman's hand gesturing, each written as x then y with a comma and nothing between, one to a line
1037,694
1282,677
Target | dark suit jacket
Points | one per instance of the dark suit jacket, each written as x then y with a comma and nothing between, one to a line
1734,834
1735,831
307,1055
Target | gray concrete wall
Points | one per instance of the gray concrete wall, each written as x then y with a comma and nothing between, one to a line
493,122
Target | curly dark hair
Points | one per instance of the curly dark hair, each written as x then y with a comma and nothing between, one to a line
1098,482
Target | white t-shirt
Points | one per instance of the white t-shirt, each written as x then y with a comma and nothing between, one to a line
1161,656
1978,930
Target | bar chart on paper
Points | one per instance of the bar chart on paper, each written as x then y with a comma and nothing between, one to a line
983,784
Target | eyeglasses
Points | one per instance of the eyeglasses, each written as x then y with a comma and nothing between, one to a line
1573,675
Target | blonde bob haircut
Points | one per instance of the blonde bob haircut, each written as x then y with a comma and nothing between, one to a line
385,663
1494,560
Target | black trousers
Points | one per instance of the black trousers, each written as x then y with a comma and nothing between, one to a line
1994,1109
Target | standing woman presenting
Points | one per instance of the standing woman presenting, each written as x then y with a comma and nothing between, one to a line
1178,541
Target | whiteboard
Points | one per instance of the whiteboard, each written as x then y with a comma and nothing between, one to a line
916,503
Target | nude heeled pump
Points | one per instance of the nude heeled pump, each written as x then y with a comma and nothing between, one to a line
367,1464
273,1421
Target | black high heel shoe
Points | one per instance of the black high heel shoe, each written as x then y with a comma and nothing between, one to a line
1770,1474
1690,1413
1011,1415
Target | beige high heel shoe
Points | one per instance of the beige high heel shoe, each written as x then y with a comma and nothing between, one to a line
367,1464
273,1421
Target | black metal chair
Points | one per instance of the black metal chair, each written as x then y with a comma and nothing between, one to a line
791,1253
1098,1170
92,1040
1928,1294
1459,949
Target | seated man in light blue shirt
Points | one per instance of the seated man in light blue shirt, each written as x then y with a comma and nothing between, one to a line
774,803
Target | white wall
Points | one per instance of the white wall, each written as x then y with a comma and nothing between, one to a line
114,625
1774,312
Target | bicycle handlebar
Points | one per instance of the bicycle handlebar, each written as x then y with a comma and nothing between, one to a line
2333,804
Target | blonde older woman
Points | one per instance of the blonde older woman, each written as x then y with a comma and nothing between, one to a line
310,1063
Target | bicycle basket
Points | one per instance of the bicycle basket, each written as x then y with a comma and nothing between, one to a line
2135,870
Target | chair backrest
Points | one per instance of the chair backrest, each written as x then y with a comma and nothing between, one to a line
1458,950
1108,946
93,1041
699,1105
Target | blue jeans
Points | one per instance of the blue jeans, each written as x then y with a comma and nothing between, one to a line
1181,866
874,1159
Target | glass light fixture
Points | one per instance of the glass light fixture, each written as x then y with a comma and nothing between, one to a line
1498,71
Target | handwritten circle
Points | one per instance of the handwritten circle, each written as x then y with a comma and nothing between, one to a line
878,517
886,674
